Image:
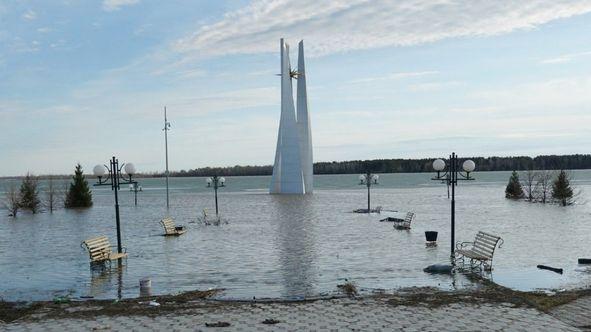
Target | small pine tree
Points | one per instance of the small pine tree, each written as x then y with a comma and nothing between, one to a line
514,190
561,189
79,194
29,194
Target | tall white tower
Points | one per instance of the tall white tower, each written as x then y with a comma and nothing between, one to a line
293,168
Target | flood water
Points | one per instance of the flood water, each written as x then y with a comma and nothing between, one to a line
292,246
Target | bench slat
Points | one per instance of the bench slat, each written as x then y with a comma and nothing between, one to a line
487,239
484,245
486,251
95,242
98,244
490,235
486,242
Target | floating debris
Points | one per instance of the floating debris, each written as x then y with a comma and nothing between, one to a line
348,288
553,269
218,324
439,269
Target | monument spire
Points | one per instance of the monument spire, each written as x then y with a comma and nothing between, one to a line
292,170
303,119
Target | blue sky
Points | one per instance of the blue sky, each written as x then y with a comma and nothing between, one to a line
85,80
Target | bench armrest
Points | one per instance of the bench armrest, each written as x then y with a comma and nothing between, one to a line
462,245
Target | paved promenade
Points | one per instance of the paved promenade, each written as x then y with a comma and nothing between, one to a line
345,314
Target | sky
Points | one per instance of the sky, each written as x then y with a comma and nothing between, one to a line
84,80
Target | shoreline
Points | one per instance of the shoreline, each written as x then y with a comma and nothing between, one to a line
485,292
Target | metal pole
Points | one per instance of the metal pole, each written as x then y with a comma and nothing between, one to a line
166,128
453,165
368,196
135,193
115,186
215,189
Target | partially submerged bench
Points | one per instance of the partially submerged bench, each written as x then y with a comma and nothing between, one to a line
99,250
482,250
170,229
404,223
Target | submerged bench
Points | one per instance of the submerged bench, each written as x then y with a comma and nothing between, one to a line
170,228
99,250
482,250
404,223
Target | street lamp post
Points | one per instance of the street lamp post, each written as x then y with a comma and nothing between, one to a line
114,179
216,182
451,178
368,179
166,129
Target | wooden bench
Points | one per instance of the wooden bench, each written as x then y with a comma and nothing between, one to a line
100,250
404,223
170,229
482,250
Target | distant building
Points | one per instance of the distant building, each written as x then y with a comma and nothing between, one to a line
293,171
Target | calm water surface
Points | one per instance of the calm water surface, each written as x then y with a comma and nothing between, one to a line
292,246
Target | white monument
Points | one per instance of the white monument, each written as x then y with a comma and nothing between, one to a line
293,170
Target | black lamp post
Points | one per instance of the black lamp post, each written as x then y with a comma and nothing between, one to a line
368,179
451,178
216,182
114,179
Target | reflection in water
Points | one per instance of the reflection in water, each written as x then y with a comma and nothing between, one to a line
295,220
101,277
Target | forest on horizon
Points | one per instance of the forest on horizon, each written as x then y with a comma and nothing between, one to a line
520,163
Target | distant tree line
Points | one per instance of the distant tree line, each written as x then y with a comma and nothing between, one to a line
549,162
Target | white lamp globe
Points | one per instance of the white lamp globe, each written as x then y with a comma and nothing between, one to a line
469,166
375,177
361,178
98,170
222,179
438,165
129,169
208,181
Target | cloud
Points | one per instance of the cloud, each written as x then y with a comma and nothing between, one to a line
565,58
433,86
558,95
29,15
346,25
112,5
394,76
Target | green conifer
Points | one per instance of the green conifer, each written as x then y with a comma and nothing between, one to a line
79,194
561,189
29,194
514,190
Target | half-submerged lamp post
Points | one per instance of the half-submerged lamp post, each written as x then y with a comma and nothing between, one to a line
368,179
216,182
114,179
135,187
451,178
